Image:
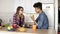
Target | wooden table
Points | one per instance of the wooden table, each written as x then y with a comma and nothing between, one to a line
29,31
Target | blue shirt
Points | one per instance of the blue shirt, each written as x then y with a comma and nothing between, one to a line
42,21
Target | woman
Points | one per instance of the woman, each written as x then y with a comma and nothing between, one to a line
18,17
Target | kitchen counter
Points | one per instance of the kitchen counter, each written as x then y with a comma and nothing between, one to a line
29,31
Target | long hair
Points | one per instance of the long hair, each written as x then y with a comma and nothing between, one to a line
18,8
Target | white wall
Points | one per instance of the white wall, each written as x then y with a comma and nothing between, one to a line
8,8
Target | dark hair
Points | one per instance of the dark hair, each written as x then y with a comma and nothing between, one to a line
18,8
38,5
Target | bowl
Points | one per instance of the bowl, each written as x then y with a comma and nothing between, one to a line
22,29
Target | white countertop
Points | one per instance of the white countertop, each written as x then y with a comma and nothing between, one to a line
29,31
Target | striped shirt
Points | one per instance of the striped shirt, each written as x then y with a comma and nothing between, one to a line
19,22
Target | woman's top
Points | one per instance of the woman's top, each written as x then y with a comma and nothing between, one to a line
19,22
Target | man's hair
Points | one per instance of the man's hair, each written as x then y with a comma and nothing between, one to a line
38,5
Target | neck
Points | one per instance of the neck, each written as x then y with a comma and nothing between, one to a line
40,12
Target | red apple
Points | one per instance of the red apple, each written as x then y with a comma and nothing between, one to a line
14,25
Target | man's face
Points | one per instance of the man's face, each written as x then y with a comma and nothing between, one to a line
37,10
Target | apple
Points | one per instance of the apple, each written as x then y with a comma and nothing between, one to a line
14,25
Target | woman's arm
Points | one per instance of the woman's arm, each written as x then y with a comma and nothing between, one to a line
23,19
15,20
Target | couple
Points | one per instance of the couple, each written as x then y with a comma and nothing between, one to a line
41,21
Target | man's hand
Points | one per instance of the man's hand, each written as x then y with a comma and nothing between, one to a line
32,17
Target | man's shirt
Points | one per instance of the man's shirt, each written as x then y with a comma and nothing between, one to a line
42,21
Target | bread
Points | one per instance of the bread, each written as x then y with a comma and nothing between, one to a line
21,29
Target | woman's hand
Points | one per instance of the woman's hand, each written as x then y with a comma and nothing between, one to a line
18,26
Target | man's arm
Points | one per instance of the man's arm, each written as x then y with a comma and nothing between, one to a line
43,22
40,22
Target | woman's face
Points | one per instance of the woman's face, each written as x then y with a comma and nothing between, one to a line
20,11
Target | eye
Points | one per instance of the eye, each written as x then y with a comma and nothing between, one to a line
21,10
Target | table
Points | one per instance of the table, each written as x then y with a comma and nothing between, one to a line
29,31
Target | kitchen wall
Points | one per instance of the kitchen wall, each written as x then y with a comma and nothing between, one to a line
8,8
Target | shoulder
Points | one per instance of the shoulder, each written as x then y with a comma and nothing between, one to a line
14,15
43,15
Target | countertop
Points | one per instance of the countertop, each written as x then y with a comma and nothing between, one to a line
29,31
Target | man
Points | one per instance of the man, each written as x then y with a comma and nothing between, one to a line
42,20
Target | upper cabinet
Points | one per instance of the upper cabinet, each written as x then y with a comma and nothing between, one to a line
28,4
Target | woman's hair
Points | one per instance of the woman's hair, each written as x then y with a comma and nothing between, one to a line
18,8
